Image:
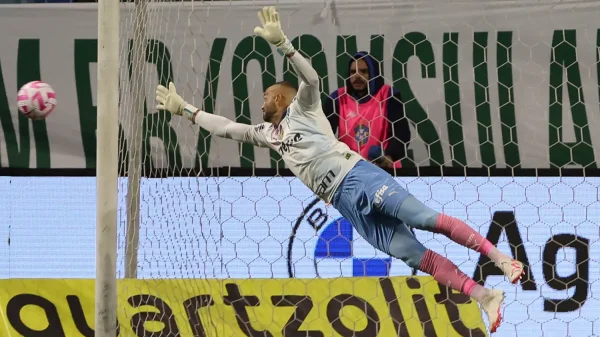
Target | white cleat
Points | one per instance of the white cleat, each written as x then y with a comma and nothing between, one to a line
513,270
491,305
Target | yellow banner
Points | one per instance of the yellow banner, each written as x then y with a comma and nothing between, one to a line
369,307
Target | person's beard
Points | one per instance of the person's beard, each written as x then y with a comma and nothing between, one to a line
360,93
269,112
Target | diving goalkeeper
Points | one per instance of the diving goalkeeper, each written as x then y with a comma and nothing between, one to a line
376,205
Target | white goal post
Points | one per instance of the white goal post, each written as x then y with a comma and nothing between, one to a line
107,165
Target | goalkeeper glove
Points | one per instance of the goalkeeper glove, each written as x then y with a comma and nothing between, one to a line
169,100
271,30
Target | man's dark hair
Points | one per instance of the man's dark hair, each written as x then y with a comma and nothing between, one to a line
287,84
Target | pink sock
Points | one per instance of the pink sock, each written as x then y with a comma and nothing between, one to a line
448,274
463,234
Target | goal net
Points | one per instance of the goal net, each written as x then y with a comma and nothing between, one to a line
217,239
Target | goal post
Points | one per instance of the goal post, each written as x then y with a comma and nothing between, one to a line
107,168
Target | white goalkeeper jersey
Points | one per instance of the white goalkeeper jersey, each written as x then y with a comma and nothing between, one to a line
309,148
303,138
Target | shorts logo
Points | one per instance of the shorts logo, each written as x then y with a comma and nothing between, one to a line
379,194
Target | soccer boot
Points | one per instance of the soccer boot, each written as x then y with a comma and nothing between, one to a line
491,305
512,269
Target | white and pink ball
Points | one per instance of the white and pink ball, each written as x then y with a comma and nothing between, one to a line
36,100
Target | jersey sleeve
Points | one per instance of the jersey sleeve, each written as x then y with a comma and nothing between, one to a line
255,135
309,95
226,128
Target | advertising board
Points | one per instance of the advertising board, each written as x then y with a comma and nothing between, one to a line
265,227
342,307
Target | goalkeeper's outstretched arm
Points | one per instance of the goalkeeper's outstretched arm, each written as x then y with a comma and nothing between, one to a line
308,91
169,100
221,126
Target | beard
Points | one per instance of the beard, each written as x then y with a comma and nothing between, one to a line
359,85
269,112
268,116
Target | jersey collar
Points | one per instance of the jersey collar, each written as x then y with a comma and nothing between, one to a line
283,116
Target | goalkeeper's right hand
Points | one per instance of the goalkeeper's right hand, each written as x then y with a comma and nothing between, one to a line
169,100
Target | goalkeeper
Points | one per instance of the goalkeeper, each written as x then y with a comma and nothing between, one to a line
377,206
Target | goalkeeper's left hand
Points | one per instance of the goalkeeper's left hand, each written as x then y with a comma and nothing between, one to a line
271,30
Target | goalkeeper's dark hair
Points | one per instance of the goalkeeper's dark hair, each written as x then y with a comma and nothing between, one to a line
287,84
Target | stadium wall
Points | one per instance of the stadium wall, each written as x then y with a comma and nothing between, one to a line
479,90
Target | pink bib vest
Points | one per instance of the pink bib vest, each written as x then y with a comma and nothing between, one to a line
363,125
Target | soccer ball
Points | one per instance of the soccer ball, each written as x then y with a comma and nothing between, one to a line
36,100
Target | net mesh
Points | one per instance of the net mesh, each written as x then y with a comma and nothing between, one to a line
499,85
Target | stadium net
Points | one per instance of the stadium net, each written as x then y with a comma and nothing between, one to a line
215,239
